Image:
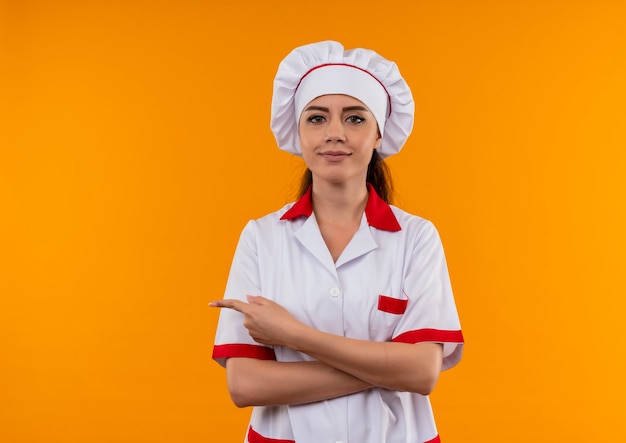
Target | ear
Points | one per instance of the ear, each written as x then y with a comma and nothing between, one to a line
378,141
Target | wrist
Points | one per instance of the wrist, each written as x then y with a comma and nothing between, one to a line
298,337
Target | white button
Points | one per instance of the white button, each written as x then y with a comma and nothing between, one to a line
335,292
338,441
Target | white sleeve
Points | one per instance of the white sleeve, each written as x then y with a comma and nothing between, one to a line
431,314
232,338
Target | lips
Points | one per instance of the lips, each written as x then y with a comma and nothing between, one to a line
334,156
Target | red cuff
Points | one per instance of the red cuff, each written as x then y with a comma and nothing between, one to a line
430,335
242,350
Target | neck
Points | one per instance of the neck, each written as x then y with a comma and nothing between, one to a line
340,203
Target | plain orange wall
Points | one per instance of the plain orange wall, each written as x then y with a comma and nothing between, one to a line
135,144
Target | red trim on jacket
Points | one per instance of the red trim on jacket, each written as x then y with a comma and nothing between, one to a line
255,437
430,335
243,350
377,211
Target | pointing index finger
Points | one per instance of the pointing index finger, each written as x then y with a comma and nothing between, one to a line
229,303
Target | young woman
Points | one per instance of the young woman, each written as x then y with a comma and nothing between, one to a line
340,314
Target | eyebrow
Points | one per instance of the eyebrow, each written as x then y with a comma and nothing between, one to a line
347,108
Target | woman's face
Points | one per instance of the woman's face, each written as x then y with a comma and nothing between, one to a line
338,135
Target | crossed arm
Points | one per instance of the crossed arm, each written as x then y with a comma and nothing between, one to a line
343,365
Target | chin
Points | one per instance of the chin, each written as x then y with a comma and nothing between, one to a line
336,178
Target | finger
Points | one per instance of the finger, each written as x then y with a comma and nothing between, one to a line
256,299
229,303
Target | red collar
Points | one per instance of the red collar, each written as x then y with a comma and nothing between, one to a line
377,211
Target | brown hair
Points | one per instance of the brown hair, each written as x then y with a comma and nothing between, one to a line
378,175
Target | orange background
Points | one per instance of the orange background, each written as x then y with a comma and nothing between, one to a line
135,144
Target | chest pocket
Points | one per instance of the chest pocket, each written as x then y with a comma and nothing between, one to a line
386,316
392,305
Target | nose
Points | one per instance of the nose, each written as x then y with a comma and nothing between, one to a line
335,131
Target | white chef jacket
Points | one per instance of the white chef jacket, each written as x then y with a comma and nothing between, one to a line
390,283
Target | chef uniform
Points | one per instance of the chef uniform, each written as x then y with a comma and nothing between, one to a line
390,283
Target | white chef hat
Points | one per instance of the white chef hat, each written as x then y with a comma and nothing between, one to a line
325,68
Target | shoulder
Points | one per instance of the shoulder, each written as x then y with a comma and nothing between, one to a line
268,222
273,218
412,223
418,231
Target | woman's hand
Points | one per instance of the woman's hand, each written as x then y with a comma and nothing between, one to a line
267,322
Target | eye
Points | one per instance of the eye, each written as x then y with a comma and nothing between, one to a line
356,119
316,119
